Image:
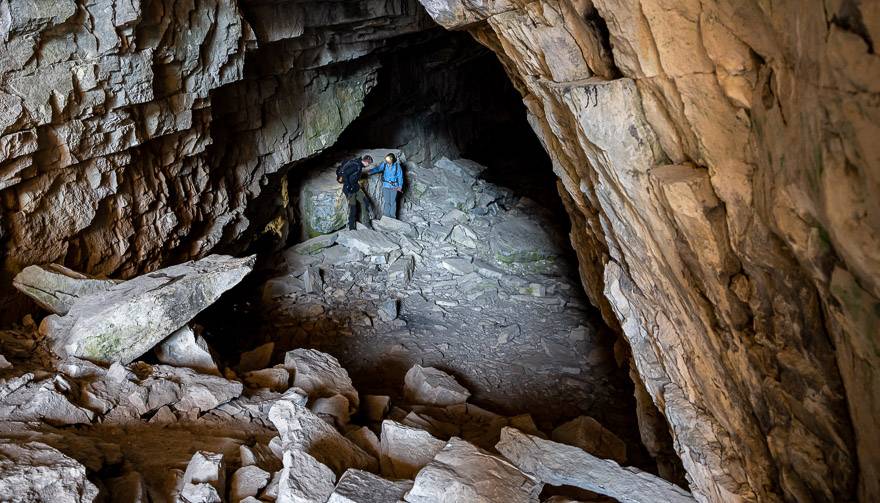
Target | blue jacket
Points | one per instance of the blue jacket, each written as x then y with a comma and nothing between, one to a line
392,174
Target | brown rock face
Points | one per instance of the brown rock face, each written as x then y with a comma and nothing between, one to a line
132,134
718,164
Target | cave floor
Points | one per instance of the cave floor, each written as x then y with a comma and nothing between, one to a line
486,294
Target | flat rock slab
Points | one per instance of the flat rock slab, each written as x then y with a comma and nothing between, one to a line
565,465
358,486
430,386
56,288
463,472
586,433
406,450
126,321
34,471
366,241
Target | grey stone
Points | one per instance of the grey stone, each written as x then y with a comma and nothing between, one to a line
33,471
430,386
406,450
248,481
462,472
304,479
124,322
320,375
560,464
388,310
458,266
366,241
358,486
586,433
184,348
56,288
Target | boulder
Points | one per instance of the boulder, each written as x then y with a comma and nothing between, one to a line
334,407
364,438
520,240
320,375
430,386
248,481
273,379
127,320
358,486
565,465
463,472
304,479
34,471
457,265
204,480
302,429
393,226
586,433
406,450
366,241
56,288
184,348
374,407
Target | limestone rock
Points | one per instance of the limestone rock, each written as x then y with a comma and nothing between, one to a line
273,379
560,464
374,407
301,429
320,375
406,450
204,480
586,433
462,472
358,486
388,310
366,241
247,481
56,288
304,479
430,386
364,438
34,471
184,348
127,320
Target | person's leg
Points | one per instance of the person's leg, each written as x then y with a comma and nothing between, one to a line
389,202
352,210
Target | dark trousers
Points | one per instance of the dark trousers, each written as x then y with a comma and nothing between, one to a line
355,200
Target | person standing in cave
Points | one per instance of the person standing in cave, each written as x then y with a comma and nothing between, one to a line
392,184
349,175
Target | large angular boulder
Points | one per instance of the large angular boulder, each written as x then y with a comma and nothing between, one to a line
204,480
566,465
304,479
521,240
34,471
430,386
127,320
463,472
56,288
367,241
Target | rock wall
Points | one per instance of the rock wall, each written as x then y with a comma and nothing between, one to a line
135,132
721,168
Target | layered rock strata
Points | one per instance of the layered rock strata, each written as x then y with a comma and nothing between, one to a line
717,161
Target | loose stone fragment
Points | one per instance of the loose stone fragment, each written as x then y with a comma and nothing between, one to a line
273,379
205,478
248,481
358,486
320,375
406,450
430,386
304,479
388,310
374,407
184,348
366,241
257,358
560,464
462,472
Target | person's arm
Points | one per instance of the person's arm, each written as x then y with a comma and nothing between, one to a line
377,169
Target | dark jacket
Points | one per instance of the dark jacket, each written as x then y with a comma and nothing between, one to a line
350,173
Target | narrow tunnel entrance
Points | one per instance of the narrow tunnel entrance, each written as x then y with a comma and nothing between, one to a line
479,280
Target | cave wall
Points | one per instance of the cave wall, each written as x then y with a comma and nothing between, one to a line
720,165
134,133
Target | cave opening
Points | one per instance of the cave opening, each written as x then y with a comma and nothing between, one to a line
531,343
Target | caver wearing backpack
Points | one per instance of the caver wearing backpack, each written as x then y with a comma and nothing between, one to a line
349,175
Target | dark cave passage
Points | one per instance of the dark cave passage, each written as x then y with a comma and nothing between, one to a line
446,97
